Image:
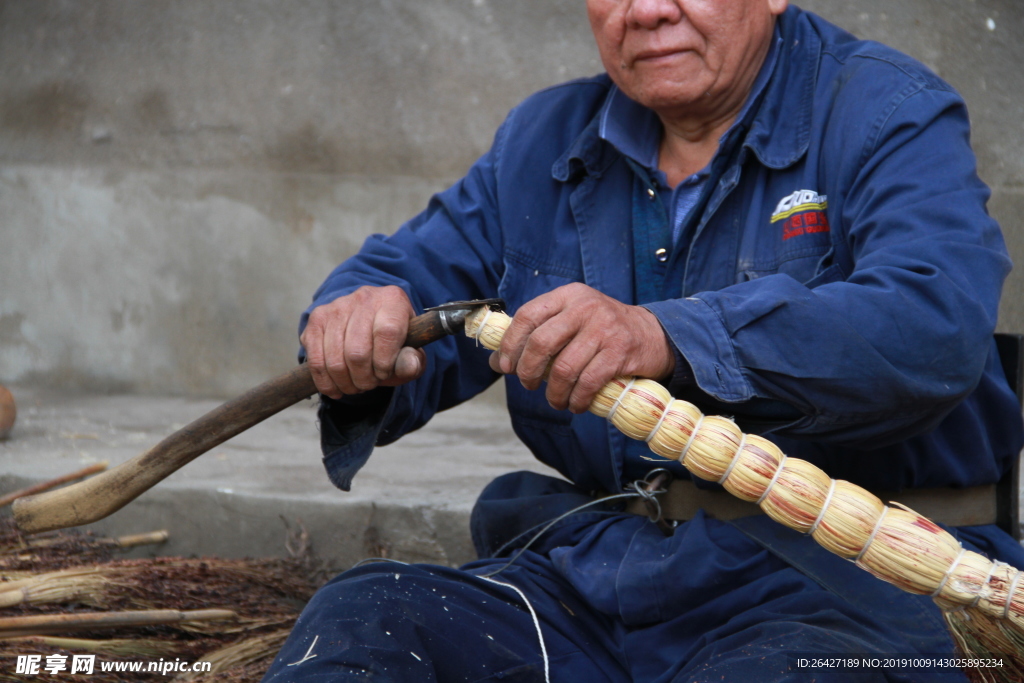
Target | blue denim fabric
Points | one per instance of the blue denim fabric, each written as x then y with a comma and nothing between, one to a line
745,600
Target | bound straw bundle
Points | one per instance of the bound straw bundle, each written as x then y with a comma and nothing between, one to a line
59,578
984,600
153,583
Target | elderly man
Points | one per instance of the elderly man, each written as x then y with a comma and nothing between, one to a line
778,221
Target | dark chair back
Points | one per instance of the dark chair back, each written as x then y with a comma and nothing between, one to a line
1011,354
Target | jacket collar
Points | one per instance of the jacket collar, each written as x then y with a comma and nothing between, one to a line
588,154
780,132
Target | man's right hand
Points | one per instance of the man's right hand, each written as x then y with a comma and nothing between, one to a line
356,342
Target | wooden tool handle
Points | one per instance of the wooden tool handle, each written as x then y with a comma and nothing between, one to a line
424,329
106,493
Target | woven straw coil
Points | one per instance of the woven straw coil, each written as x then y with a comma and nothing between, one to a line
894,543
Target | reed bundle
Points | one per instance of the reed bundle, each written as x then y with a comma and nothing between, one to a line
112,647
46,624
983,600
154,583
57,550
143,604
238,659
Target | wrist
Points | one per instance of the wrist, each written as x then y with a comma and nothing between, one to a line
664,355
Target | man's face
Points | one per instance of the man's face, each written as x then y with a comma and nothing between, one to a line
679,56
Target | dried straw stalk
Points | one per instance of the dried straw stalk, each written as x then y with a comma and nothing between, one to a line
53,483
263,646
44,624
894,543
61,586
253,587
115,647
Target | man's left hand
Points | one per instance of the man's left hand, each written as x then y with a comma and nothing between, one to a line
587,338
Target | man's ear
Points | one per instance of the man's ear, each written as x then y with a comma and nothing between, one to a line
777,7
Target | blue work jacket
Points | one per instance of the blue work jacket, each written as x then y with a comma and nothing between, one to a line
837,287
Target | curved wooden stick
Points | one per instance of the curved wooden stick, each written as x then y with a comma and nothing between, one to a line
106,493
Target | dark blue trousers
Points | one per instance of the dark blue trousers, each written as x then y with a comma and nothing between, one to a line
607,597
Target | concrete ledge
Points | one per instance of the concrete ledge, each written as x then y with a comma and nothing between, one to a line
411,502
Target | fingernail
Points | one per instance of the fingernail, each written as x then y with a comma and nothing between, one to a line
407,365
505,364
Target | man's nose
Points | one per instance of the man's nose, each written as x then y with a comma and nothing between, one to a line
650,14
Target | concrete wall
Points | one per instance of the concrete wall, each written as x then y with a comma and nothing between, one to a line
177,177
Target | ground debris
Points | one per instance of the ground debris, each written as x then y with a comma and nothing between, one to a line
49,569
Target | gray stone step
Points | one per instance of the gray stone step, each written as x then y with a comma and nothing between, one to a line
411,502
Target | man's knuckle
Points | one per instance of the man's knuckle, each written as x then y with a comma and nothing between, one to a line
526,317
390,332
590,380
541,341
563,370
359,355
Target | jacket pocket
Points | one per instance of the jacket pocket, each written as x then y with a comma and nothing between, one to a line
811,267
527,276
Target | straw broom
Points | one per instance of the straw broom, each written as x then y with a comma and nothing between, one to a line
983,600
259,587
49,624
57,550
240,660
49,578
114,647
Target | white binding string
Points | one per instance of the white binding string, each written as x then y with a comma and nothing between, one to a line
618,401
949,572
536,624
689,442
874,532
828,501
480,329
661,420
1009,595
984,587
775,478
735,459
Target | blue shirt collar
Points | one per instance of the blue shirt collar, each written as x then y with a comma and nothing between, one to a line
635,131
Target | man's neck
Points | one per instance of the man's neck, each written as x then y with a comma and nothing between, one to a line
685,150
692,134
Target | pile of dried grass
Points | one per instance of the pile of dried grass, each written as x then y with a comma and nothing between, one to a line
72,574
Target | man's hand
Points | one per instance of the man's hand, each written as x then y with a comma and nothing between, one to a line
587,338
355,343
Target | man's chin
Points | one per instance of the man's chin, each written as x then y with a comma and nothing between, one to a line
667,100
663,84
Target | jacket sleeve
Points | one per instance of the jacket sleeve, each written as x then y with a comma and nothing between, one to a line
889,337
451,251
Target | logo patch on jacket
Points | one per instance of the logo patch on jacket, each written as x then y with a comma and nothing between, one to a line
803,213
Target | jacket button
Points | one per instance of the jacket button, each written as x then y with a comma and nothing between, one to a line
661,255
650,193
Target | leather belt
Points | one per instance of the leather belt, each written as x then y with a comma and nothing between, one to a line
953,507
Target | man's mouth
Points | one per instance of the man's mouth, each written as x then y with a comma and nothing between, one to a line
663,54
